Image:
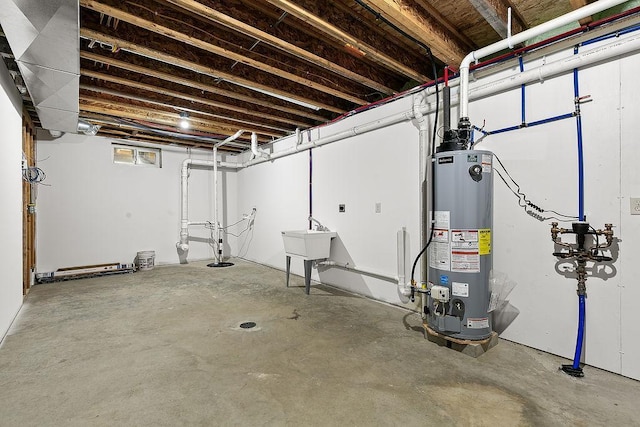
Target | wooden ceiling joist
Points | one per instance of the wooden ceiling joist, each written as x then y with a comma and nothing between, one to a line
577,4
201,86
132,131
466,42
202,69
122,109
496,14
234,24
345,38
267,130
140,137
183,96
404,15
192,41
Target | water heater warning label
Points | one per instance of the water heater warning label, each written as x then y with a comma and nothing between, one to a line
439,256
486,163
465,261
459,289
478,323
465,255
484,241
439,252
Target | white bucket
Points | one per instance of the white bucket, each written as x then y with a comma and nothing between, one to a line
146,260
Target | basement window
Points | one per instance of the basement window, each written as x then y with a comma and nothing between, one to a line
141,156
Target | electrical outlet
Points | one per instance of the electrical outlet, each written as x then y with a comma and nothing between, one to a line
341,208
635,205
378,207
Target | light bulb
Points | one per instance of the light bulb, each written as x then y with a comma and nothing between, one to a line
184,122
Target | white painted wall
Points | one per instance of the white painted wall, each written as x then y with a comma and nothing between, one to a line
544,162
93,211
382,166
10,202
358,172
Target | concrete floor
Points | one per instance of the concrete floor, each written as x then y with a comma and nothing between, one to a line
164,348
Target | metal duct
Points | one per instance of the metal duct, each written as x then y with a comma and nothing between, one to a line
44,38
88,128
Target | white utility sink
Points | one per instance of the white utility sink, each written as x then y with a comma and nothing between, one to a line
308,244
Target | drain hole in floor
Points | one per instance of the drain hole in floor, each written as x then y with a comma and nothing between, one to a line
248,325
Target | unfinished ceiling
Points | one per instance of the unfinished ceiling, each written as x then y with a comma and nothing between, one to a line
270,66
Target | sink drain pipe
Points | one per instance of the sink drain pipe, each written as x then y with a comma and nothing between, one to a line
216,222
183,242
401,254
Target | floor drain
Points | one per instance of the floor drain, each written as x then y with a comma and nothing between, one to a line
220,264
248,325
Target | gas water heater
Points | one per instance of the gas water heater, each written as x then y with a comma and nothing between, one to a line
460,259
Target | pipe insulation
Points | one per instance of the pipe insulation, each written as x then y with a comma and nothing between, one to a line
521,37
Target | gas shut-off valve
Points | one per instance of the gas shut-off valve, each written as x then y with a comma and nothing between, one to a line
440,293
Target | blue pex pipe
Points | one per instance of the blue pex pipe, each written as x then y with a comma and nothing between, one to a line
579,340
527,125
310,188
551,119
611,36
576,93
581,303
522,91
580,170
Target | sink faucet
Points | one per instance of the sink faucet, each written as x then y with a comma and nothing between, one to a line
319,227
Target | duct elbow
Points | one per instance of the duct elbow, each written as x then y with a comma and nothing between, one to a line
88,128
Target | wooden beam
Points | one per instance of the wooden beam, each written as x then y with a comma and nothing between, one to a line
121,109
236,25
577,4
217,50
127,136
181,95
202,69
469,44
28,218
495,13
404,15
516,15
108,124
241,123
195,84
346,39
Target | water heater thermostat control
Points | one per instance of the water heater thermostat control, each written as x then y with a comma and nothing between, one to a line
440,293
